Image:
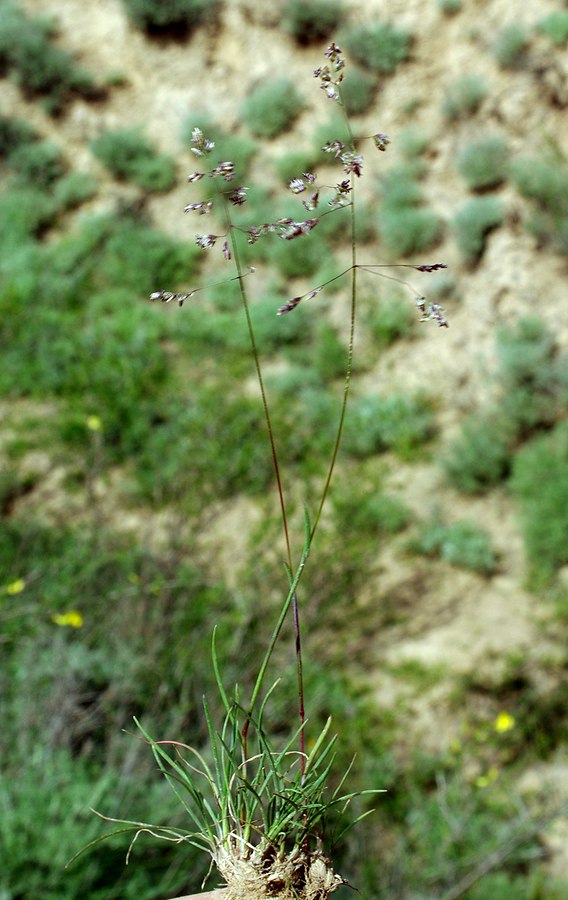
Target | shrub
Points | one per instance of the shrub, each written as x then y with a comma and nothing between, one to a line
510,47
412,142
39,164
464,97
408,230
462,544
312,21
190,442
174,16
29,213
555,27
334,129
329,354
390,319
450,7
272,108
473,223
127,154
74,189
299,258
371,512
15,134
358,92
405,227
530,376
540,484
545,183
483,163
41,68
292,165
379,47
481,457
398,422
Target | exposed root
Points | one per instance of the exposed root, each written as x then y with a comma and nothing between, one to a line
256,873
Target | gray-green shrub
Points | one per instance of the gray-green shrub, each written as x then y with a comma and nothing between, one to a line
540,484
128,154
472,224
464,97
544,181
555,27
398,422
380,47
483,163
358,91
272,107
312,21
510,48
462,544
38,65
173,16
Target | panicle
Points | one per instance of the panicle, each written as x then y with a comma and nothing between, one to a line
430,267
168,296
381,141
431,312
202,145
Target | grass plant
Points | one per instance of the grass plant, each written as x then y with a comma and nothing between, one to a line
261,809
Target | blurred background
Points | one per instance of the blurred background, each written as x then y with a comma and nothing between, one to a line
136,491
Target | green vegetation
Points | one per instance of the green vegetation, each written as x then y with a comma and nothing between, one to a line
481,457
540,484
450,7
358,92
405,227
401,423
173,16
294,164
130,156
555,27
483,163
380,47
117,410
272,107
464,97
39,164
544,181
510,48
370,513
462,544
389,319
473,223
37,65
312,21
300,258
531,381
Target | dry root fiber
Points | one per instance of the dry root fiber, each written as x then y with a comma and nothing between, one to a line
263,874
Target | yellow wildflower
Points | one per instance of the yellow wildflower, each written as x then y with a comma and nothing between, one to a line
504,722
15,587
488,778
72,618
93,423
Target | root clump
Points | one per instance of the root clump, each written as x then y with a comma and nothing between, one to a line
262,873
